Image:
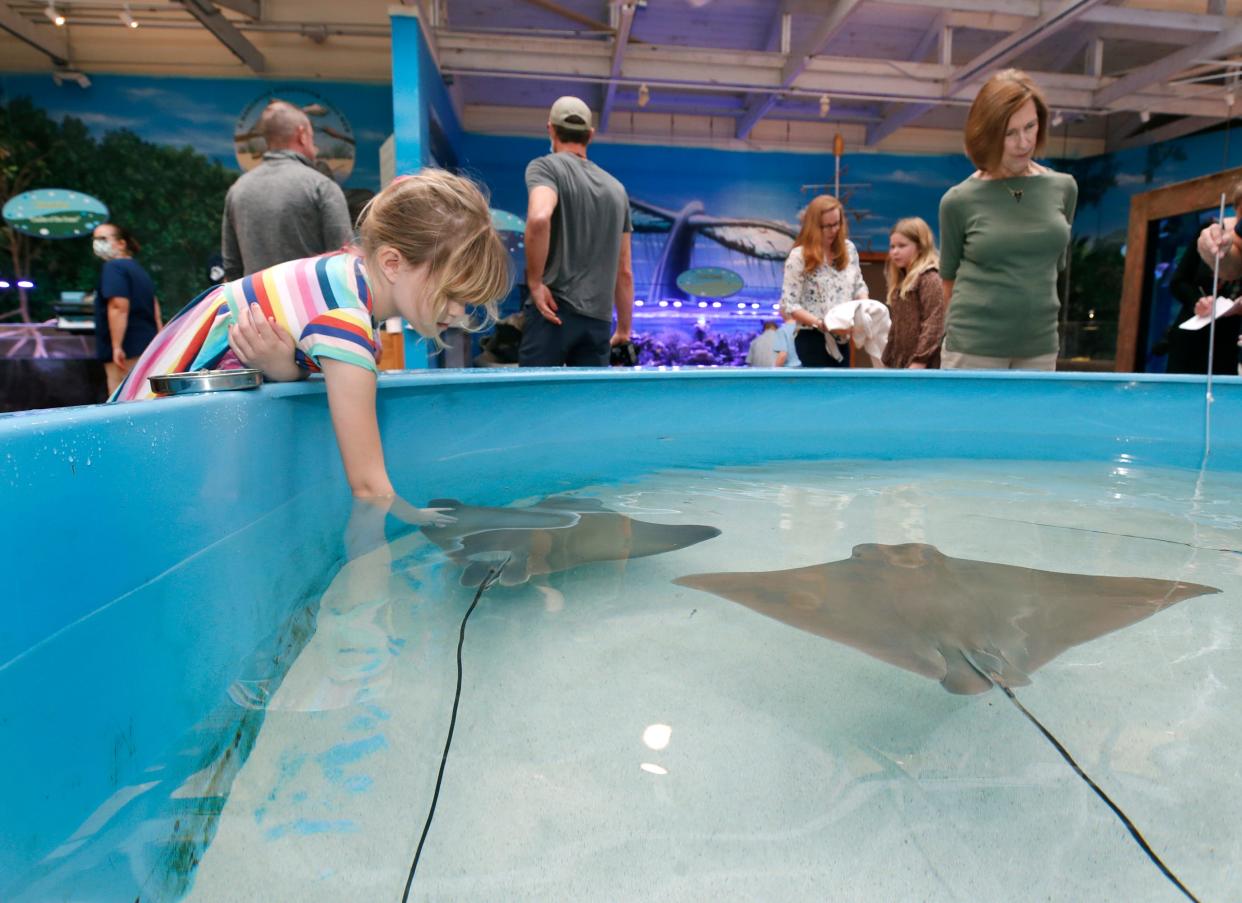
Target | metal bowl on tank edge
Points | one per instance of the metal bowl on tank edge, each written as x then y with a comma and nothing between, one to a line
205,381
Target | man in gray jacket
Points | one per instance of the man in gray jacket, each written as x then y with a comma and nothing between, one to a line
283,209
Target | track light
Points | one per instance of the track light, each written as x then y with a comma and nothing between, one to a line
1229,99
1145,117
53,14
127,17
1057,119
825,104
644,94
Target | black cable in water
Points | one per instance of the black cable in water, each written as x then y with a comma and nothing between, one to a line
1065,754
491,578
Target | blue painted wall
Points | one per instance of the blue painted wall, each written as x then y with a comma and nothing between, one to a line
202,112
740,183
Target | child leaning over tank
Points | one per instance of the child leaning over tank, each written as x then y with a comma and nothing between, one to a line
427,251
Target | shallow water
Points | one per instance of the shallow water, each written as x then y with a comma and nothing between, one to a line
784,766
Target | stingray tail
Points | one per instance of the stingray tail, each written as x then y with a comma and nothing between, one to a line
996,680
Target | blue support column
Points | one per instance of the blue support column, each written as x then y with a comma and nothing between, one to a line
412,65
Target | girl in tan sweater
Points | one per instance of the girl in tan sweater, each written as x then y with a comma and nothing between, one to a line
915,297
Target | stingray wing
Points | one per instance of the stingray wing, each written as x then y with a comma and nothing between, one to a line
841,601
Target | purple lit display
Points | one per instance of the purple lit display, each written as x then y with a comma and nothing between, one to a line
671,347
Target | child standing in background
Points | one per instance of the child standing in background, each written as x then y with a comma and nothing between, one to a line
915,297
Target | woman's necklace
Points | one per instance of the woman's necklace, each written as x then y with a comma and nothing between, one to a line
1016,192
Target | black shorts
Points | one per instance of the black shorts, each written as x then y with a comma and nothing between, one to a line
578,342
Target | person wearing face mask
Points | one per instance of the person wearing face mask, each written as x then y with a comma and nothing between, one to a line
1005,235
127,313
283,209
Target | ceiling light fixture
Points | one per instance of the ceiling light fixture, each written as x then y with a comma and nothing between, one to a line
1057,119
1145,117
644,94
53,14
127,17
825,104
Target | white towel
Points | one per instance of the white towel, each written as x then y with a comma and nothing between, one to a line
869,321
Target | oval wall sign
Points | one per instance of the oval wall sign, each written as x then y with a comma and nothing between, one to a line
55,213
710,282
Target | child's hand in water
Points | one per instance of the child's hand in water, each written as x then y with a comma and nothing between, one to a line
260,342
421,517
433,517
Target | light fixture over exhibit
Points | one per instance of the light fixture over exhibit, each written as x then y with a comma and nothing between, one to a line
53,14
825,104
127,16
644,94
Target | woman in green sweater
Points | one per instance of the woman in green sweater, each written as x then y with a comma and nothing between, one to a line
1004,235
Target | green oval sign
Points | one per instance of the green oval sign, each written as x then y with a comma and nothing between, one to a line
55,213
710,282
504,221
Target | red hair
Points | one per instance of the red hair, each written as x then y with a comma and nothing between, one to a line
811,238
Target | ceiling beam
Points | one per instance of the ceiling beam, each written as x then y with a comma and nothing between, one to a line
226,33
1019,42
573,16
1167,132
251,9
900,116
1069,49
1220,45
718,71
794,65
1093,63
625,21
933,37
1157,20
48,41
1010,15
780,30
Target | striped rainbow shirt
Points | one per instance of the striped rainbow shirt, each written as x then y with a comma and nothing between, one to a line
324,303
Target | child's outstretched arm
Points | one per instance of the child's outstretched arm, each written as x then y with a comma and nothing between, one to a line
351,401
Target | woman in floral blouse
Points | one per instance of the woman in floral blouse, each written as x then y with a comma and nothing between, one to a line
821,272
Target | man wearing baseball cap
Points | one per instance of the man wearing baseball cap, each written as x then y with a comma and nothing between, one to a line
578,265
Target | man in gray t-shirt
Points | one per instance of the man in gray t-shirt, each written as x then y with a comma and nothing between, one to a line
283,209
578,265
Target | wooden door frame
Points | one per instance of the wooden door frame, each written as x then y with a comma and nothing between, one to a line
1202,193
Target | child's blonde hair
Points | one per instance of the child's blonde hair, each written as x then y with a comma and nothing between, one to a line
443,220
916,230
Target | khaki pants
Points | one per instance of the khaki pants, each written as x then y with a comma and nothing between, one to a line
957,360
115,374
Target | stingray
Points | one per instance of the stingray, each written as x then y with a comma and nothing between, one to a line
554,535
968,624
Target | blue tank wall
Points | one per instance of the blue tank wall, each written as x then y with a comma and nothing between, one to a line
154,551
